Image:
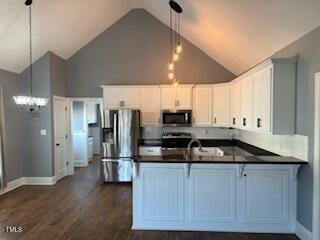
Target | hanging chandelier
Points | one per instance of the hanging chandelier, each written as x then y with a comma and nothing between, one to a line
31,103
175,43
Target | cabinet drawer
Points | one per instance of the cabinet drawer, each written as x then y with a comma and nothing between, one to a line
149,151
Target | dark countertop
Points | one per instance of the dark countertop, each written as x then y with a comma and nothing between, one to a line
222,159
238,152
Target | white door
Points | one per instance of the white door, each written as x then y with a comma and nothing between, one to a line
150,106
235,105
212,195
246,103
202,106
184,97
168,97
221,106
60,137
112,97
266,196
262,100
131,97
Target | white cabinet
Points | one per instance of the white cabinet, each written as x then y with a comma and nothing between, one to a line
119,96
235,105
176,97
221,105
215,197
91,112
161,194
212,195
150,106
266,196
246,92
202,105
262,100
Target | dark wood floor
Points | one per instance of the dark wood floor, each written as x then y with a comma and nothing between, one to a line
78,207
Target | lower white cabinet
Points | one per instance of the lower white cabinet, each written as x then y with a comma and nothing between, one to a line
215,197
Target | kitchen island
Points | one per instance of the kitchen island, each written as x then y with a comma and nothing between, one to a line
218,190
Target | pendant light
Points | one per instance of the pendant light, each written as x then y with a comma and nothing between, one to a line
175,43
32,104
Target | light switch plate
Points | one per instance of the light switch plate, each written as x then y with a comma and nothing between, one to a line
43,132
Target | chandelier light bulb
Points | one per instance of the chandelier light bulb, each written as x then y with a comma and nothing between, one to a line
171,76
171,66
179,48
175,57
175,83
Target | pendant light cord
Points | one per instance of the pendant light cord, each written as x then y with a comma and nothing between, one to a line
30,48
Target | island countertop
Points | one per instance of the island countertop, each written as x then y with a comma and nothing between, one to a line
231,155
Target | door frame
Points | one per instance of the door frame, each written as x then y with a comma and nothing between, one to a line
316,161
71,100
68,131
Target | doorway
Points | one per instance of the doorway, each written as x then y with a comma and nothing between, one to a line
85,130
316,165
60,113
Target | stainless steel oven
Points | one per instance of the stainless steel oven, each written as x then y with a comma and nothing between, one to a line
176,118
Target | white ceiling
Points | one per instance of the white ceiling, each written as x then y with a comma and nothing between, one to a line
236,33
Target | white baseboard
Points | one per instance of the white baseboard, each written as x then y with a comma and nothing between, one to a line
39,180
80,164
12,185
302,232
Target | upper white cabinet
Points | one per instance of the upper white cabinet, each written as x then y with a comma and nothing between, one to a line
235,105
121,97
262,100
150,106
176,97
246,102
221,105
91,112
202,105
268,97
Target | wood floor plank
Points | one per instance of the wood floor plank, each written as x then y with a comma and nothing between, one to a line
79,208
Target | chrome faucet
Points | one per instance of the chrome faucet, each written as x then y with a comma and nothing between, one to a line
192,141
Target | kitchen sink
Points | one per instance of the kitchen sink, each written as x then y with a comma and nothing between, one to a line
207,151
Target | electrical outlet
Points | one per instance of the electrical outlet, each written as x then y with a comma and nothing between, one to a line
43,132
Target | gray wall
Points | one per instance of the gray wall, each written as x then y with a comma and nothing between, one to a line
11,86
135,50
58,75
37,160
308,50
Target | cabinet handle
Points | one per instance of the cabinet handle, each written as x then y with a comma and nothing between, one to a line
234,121
159,120
259,122
215,120
244,122
121,103
177,103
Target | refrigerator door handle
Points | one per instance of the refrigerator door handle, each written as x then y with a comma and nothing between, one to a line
115,128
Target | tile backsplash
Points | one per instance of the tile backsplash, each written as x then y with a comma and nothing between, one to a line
197,132
285,145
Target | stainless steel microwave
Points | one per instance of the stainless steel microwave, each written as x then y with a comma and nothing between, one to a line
176,118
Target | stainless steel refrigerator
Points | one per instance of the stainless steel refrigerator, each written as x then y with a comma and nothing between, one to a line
120,134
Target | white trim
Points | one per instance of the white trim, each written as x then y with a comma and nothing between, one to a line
39,180
316,161
12,185
302,232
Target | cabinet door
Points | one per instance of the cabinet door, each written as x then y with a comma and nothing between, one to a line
266,196
131,97
161,194
168,97
150,106
246,103
202,106
221,106
212,195
112,97
262,100
235,105
184,97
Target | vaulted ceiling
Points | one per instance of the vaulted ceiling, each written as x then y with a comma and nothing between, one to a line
236,33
